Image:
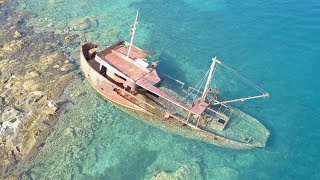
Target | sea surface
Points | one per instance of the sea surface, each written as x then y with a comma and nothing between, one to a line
275,44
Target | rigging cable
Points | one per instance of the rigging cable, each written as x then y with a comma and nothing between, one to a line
195,88
198,90
214,70
244,79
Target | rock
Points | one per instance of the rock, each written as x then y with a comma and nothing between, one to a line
192,171
50,110
5,76
6,47
34,74
14,45
51,104
224,173
28,101
6,128
15,124
30,85
67,67
6,96
1,105
82,24
3,32
38,93
70,38
2,54
91,36
49,59
56,103
56,66
69,132
8,85
79,93
9,130
17,35
10,114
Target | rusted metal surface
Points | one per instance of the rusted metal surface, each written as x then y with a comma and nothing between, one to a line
131,70
134,54
199,107
152,77
102,85
151,108
144,83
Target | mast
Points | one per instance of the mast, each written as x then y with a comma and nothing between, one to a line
214,60
132,33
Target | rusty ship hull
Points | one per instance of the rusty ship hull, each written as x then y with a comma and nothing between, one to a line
160,110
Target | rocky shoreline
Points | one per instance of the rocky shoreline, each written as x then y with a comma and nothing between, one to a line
34,71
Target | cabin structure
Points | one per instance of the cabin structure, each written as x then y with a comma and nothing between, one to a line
133,71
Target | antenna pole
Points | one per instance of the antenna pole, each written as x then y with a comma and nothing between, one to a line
132,33
214,60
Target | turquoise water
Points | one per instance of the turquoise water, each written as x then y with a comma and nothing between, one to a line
276,44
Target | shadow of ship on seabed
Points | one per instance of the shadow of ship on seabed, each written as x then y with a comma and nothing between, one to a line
168,65
136,165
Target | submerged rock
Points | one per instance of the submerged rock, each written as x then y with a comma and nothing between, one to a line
17,34
192,171
70,39
224,173
54,2
78,93
91,36
83,24
67,67
14,45
69,132
49,60
244,160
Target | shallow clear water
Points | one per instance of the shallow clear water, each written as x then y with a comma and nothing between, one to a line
276,44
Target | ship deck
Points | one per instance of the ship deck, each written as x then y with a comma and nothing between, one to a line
132,66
